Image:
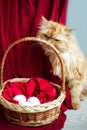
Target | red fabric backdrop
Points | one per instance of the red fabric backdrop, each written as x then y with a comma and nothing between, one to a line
20,18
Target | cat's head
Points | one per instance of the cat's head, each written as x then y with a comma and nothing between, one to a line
55,33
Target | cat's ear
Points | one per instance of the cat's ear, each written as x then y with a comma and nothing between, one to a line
43,24
71,31
43,19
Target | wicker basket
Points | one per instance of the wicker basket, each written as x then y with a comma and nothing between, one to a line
32,115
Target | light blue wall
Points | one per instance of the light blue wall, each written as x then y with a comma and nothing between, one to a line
77,19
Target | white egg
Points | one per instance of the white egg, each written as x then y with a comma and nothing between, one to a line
25,104
33,101
20,98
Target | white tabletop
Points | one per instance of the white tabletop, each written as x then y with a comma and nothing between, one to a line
77,119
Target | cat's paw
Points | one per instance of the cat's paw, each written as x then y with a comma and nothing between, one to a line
82,97
76,105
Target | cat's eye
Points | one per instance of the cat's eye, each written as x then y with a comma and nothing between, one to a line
50,37
46,36
56,39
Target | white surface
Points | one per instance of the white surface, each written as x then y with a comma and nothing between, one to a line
77,119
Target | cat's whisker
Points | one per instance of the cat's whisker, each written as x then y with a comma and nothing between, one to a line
34,45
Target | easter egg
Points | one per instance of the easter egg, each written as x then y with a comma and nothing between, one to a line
20,98
33,101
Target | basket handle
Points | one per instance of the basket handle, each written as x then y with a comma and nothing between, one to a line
25,39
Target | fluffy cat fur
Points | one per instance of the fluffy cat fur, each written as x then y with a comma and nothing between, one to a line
75,62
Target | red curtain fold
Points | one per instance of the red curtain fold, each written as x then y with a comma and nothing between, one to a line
20,18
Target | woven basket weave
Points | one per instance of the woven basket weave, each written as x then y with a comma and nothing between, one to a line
32,115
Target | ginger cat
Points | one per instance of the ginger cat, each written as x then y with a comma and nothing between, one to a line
75,62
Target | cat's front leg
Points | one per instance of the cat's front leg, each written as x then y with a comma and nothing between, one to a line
75,99
75,91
